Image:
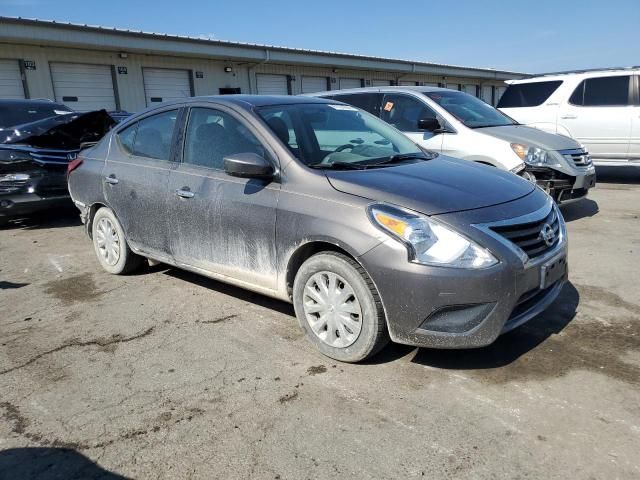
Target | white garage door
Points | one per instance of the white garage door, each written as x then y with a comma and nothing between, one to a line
453,86
380,83
404,83
314,84
163,84
470,89
272,84
350,83
499,92
10,79
83,87
431,84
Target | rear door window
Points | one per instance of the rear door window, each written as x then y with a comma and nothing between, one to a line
369,102
127,138
528,94
602,92
155,135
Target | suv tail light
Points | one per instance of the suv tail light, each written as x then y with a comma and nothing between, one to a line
73,164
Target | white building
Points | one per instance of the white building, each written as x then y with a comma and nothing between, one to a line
90,67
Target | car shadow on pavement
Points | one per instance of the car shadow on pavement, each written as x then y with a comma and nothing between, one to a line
61,217
50,464
579,209
510,346
237,292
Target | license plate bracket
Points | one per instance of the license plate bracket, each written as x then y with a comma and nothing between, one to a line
552,271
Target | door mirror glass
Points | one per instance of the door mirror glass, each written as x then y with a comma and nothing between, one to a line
248,165
429,124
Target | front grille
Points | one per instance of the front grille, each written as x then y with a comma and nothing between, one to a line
577,157
530,236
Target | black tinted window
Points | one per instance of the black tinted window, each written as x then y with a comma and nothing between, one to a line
528,94
212,135
154,135
403,112
127,137
603,91
369,102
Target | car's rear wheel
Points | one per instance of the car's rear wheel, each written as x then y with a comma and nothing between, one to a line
339,308
110,244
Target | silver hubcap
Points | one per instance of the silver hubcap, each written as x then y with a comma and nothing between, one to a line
108,241
332,309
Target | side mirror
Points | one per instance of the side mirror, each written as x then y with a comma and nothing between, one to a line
429,124
248,165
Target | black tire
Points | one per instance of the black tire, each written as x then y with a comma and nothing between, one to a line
127,261
373,334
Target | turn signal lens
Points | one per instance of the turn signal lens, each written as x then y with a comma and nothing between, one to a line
397,226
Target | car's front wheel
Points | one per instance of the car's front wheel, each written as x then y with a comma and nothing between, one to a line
339,308
110,245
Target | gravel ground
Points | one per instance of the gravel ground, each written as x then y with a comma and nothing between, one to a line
165,374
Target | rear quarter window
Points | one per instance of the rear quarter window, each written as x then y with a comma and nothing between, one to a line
528,94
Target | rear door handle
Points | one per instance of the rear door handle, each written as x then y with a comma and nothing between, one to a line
111,179
569,117
185,193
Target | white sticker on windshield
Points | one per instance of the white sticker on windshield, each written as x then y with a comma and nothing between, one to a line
344,107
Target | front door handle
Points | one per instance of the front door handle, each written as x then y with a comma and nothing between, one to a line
185,193
569,117
111,179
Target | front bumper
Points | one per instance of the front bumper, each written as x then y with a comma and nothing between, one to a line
455,308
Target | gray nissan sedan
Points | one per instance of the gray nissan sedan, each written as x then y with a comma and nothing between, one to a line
326,206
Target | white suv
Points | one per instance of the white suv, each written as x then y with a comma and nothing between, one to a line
598,108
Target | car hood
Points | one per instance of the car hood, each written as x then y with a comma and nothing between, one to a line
433,187
530,136
64,132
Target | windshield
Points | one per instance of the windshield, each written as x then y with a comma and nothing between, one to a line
469,110
333,135
19,114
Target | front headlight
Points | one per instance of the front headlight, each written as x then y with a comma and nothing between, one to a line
430,242
534,156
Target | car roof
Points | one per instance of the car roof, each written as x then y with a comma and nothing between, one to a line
248,101
545,77
406,89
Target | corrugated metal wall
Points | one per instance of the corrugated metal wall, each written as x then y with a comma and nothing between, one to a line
208,76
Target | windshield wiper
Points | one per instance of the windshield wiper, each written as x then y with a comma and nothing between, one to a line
338,166
401,157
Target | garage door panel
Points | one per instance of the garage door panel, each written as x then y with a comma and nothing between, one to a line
350,83
272,84
380,83
83,87
11,80
314,84
162,85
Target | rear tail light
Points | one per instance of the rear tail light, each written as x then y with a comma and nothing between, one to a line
73,164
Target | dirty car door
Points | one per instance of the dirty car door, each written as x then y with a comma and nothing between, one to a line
220,223
135,180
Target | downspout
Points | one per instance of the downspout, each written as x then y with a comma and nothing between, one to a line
251,70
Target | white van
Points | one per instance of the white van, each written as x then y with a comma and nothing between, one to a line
463,126
598,108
